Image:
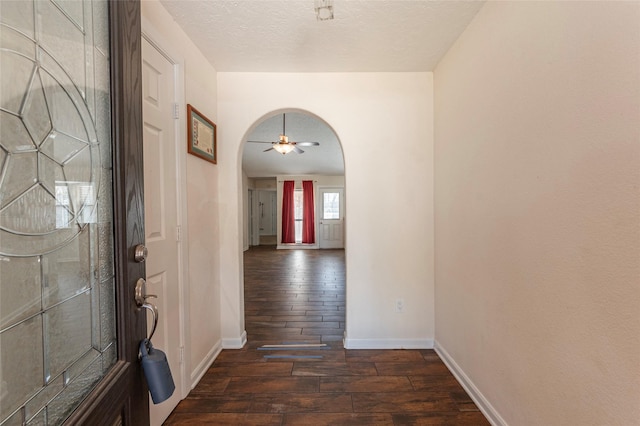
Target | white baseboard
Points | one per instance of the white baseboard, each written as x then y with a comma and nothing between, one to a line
483,403
388,343
235,342
204,365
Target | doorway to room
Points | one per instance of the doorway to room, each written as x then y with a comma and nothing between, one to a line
266,217
315,177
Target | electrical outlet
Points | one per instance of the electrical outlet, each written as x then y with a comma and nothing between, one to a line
399,305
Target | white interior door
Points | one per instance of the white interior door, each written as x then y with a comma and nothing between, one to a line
250,217
162,232
273,196
254,239
331,218
267,212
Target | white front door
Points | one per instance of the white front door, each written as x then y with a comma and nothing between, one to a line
331,218
161,214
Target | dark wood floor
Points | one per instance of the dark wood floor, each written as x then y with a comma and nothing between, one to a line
297,297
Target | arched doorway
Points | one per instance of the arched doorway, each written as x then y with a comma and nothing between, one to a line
264,173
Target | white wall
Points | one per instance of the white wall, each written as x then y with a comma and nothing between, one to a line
384,122
202,198
537,130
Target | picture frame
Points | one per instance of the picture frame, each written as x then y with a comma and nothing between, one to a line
201,136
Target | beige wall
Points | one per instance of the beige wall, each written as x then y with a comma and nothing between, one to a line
265,183
387,257
203,285
537,223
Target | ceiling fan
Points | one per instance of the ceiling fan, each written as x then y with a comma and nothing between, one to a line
284,146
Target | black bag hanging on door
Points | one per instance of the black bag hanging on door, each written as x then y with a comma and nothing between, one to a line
157,372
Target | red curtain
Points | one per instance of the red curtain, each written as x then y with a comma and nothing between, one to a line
288,213
308,217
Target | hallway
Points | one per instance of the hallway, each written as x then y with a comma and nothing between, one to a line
297,297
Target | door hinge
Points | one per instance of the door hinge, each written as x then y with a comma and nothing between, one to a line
181,354
176,111
178,233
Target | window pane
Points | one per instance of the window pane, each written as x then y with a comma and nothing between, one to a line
298,202
331,205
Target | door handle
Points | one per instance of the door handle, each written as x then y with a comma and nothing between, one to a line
141,297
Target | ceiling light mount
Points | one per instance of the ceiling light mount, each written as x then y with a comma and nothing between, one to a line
324,9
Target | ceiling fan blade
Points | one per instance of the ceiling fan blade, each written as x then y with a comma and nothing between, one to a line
270,149
298,150
259,142
307,143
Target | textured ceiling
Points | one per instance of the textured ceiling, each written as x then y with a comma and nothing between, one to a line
285,36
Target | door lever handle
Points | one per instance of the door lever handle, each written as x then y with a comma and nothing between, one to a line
154,312
141,297
141,292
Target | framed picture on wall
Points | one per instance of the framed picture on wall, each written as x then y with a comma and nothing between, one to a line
201,135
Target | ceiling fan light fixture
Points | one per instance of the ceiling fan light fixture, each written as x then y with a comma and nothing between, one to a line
324,9
283,148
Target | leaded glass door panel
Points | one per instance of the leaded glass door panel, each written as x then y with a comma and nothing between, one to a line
62,244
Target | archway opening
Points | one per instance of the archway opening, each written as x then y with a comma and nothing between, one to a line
308,288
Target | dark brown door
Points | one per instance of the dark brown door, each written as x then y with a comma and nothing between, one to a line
71,213
122,396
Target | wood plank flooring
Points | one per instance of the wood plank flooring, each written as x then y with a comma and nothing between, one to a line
298,297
